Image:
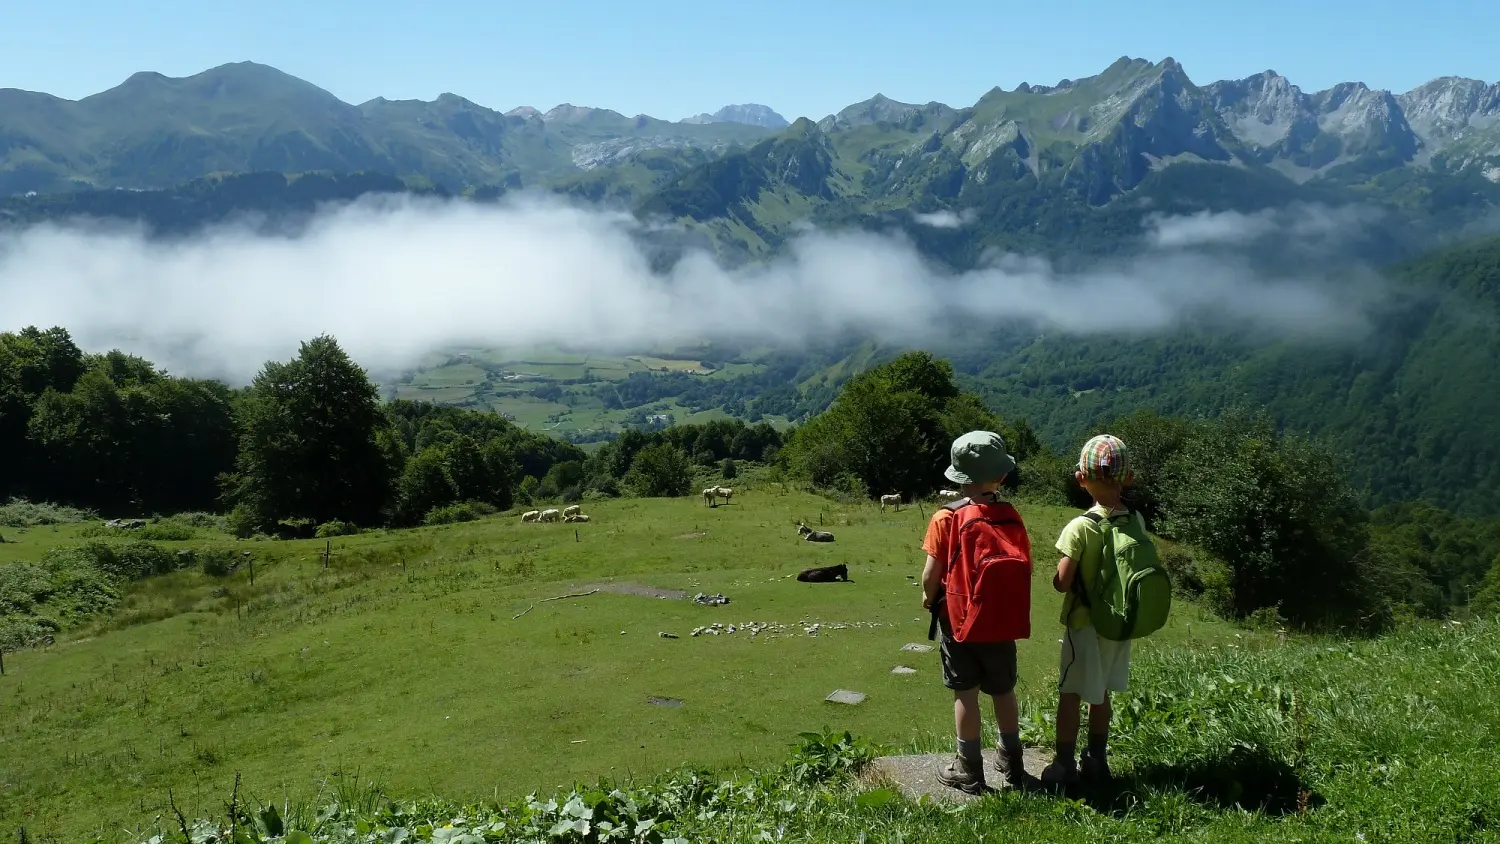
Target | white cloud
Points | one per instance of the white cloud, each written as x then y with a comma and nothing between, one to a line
944,219
395,279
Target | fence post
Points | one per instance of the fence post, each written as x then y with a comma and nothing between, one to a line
252,571
2,662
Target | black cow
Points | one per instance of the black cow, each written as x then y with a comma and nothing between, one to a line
826,574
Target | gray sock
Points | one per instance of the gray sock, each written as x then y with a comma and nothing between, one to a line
970,750
1010,742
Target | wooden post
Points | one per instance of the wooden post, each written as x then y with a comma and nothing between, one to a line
575,535
2,662
252,571
327,552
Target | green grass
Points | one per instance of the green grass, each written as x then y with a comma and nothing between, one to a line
420,677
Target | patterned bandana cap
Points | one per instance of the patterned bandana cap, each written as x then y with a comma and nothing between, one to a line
1104,458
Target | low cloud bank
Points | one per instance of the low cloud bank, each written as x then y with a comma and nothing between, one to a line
396,279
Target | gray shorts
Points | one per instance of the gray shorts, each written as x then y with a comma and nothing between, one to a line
989,665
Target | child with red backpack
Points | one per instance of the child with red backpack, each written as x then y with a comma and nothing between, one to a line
977,585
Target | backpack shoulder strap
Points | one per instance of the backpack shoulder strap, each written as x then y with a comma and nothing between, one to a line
955,506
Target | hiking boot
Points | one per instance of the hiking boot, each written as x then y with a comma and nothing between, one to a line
1060,773
963,775
1094,769
1012,766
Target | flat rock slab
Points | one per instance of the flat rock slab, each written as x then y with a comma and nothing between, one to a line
915,776
903,669
846,696
916,648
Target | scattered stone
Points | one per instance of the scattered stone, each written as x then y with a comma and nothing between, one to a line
916,648
902,669
846,696
125,524
665,635
663,701
710,600
730,629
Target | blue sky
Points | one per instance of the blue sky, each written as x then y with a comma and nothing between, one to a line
671,59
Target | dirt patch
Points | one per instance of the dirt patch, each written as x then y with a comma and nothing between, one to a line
915,776
637,589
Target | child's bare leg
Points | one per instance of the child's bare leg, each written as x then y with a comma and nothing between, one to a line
1008,716
966,714
966,724
1008,713
1068,717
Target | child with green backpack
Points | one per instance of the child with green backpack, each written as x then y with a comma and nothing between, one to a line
1114,591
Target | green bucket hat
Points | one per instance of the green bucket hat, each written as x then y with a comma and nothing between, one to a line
979,457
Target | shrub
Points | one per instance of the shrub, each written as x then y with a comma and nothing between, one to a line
728,469
328,530
241,522
463,511
20,513
1281,515
203,521
218,562
659,470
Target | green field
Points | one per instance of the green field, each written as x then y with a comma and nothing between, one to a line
505,381
403,660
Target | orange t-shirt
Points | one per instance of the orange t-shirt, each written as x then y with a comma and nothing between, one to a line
939,530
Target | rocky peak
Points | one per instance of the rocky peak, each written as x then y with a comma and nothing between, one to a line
525,112
1445,106
569,113
1261,110
751,114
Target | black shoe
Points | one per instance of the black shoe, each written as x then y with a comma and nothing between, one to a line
1094,769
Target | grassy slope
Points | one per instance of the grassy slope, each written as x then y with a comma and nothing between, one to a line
422,679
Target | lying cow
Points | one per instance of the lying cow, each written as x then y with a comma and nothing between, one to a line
826,574
814,535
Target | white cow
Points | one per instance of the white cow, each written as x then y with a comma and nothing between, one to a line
571,510
724,493
531,515
948,493
894,499
708,496
551,515
575,517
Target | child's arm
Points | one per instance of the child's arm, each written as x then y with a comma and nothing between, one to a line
1067,569
932,580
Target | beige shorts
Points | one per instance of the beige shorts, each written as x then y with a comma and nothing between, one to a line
1092,667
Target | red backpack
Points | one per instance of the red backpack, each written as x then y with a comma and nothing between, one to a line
988,584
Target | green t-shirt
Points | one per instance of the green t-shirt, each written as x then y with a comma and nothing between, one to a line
1082,542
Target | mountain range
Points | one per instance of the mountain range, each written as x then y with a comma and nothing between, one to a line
1100,136
1072,171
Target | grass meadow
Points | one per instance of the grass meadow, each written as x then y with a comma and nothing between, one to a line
416,687
402,659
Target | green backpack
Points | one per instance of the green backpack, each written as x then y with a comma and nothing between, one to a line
1133,593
